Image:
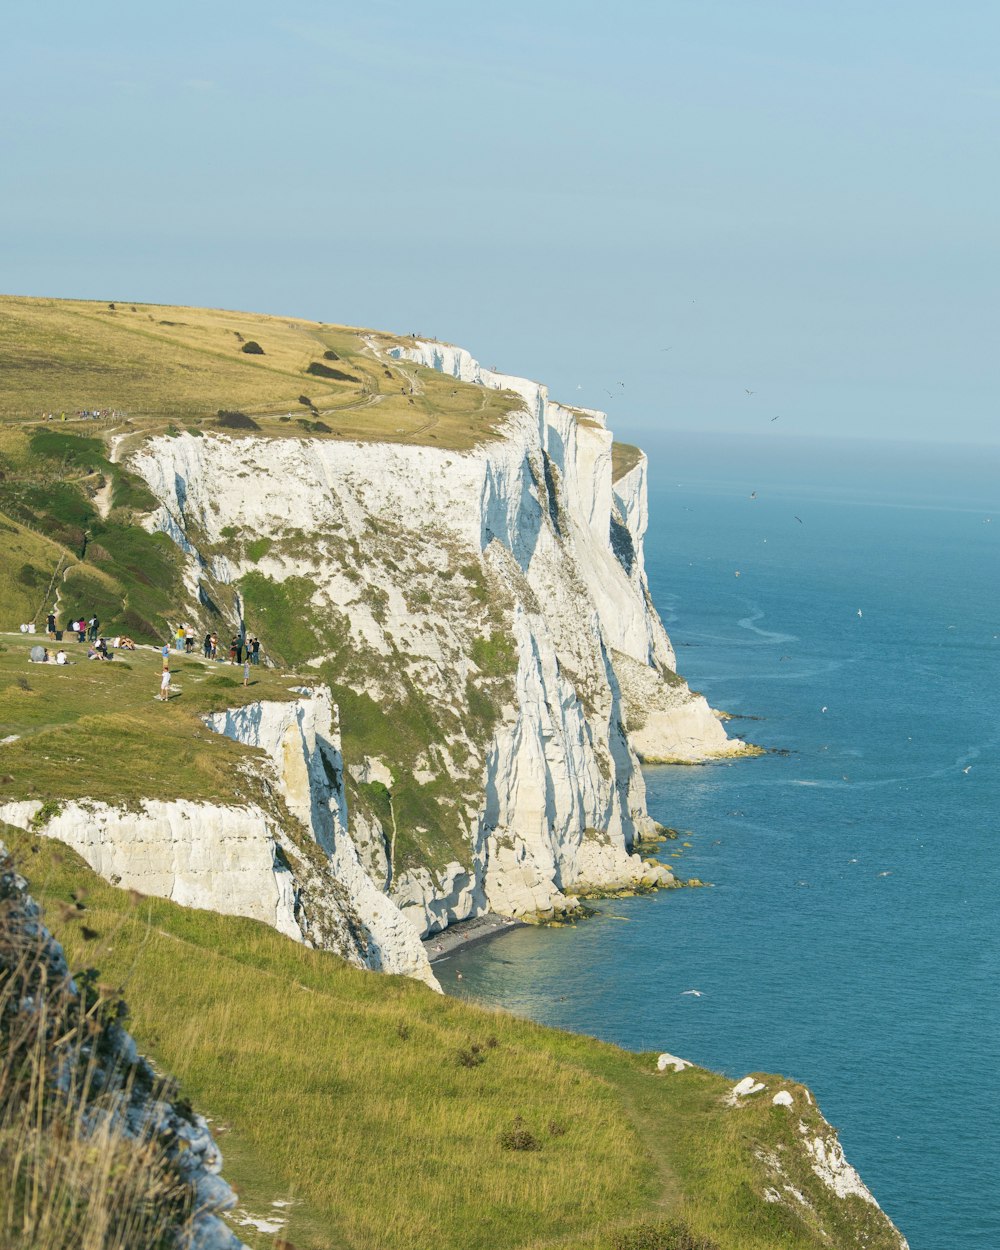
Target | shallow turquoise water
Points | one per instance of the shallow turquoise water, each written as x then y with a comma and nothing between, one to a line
850,937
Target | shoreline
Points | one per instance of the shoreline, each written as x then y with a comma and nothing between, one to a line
464,933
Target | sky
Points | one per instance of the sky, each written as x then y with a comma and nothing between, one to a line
655,208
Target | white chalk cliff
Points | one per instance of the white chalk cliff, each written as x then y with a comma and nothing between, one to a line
491,605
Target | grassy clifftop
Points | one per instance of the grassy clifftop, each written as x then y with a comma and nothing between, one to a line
154,367
370,1112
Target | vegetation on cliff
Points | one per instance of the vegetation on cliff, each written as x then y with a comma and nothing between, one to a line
387,1116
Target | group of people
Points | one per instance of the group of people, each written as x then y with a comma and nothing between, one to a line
89,630
240,646
88,414
42,655
242,650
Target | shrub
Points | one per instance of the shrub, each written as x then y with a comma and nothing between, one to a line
233,420
660,1235
324,371
330,354
252,348
306,402
519,1137
470,1056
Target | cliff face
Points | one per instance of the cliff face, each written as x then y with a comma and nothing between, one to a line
483,621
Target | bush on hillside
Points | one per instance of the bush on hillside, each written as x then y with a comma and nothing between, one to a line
660,1235
252,348
319,370
233,420
519,1137
330,355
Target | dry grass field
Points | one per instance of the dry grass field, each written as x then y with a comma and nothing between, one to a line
161,366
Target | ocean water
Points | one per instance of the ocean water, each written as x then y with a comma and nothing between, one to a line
850,937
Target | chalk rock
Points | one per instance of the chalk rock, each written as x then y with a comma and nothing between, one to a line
783,1099
743,1089
671,1061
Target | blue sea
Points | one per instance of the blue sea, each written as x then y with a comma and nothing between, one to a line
849,938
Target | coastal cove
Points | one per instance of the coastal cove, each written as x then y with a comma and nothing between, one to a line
847,939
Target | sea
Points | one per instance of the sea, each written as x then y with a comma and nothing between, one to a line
840,599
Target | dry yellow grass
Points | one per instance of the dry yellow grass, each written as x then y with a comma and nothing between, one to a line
165,365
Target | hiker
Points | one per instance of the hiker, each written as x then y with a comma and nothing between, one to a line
50,624
179,638
165,652
206,646
81,629
239,648
233,644
215,646
165,683
255,650
93,625
189,640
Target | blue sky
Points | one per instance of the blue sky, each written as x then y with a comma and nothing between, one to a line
797,199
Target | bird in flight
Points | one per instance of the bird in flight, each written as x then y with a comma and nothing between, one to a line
966,770
695,993
860,613
799,519
750,392
753,494
777,418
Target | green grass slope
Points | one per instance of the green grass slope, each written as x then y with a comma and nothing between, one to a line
386,1114
96,730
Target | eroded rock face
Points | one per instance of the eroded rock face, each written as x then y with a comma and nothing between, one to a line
115,1093
245,861
495,601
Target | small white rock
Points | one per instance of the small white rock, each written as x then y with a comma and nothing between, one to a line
671,1061
783,1098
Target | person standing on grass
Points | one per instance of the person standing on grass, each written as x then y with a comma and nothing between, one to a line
165,652
246,671
254,650
215,647
207,646
165,683
50,624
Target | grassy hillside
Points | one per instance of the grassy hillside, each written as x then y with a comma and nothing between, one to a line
157,367
389,1117
96,730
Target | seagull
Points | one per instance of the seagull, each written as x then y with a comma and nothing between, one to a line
798,518
696,993
823,709
859,612
753,494
967,770
749,392
666,349
737,573
888,873
777,418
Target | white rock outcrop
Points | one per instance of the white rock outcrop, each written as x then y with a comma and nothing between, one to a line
245,861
